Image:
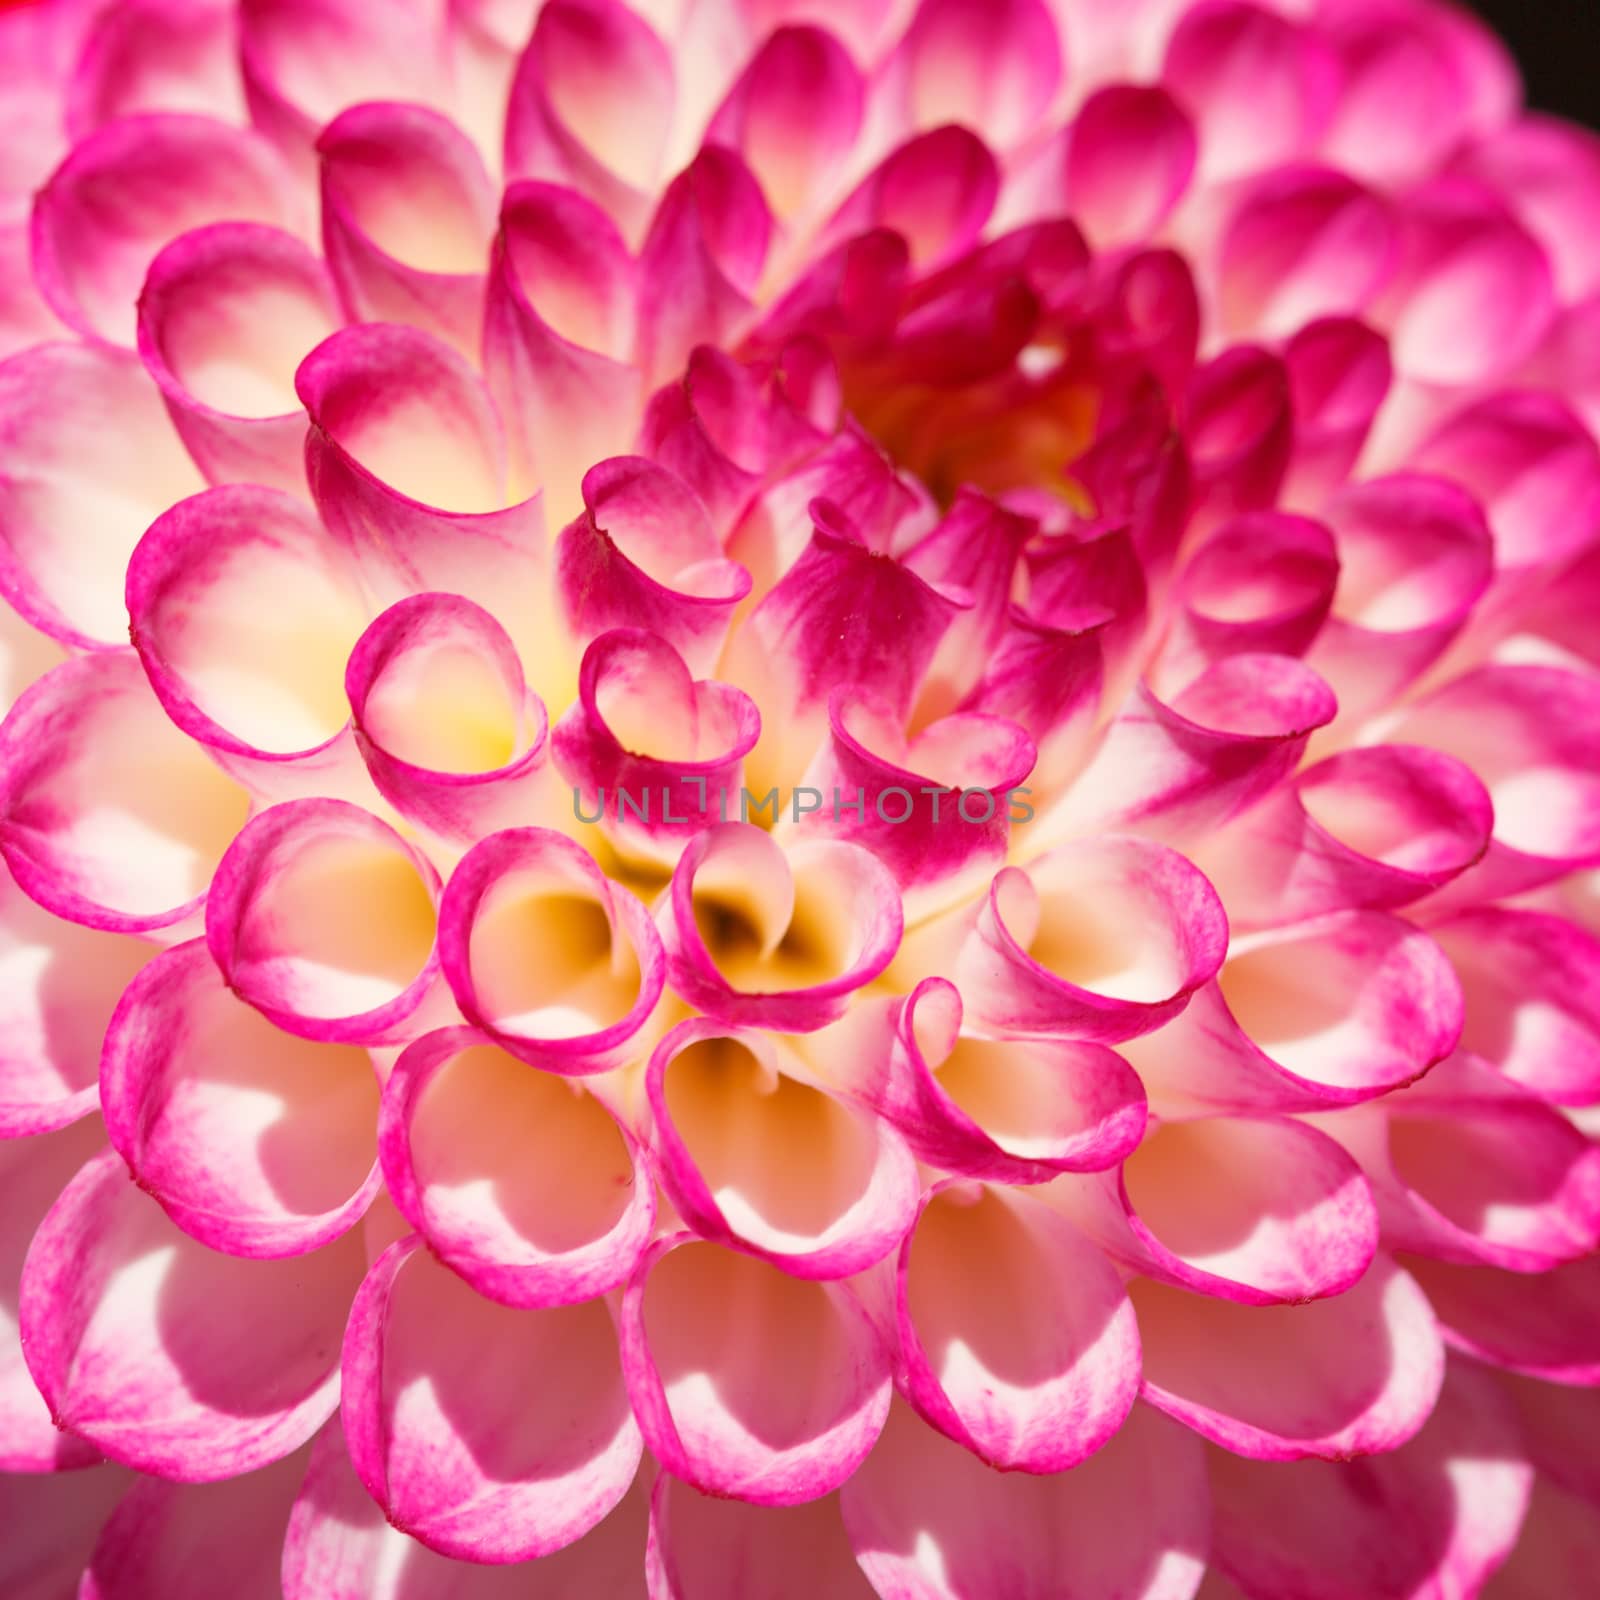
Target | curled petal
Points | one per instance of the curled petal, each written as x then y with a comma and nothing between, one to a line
34,1171
643,555
648,748
188,1540
929,1521
60,983
701,260
1532,986
703,1329
1005,1110
1440,1513
520,1182
557,338
226,315
407,215
545,954
1239,430
53,1523
243,618
1130,156
1546,1325
154,55
1100,941
1371,828
1178,769
793,115
323,918
111,817
255,1142
742,1139
763,936
1339,374
126,190
1327,1013
340,1547
1367,1368
407,463
172,1357
1556,1548
1415,554
1306,243
936,191
591,106
779,1552
1532,733
429,1366
444,719
87,459
1293,1220
1017,1339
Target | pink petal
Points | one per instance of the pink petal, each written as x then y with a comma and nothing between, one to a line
793,115
1100,940
1306,243
444,719
703,1329
930,1522
1007,1110
515,898
339,1547
1239,430
255,1142
558,337
519,1181
1130,157
415,517
767,936
1374,827
742,1138
51,1526
323,918
226,314
1556,1551
243,617
1436,1516
1016,1337
429,1366
34,1171
646,747
185,1541
1326,1013
60,983
172,1357
643,555
1546,1325
699,1544
128,188
1365,1372
87,459
1339,373
407,214
592,105
90,767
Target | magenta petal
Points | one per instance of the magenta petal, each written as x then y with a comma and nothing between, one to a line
323,918
1239,430
128,188
429,1367
341,1547
1339,375
522,1183
89,764
702,1329
929,1521
256,1142
515,898
384,168
779,1552
226,315
1130,157
167,1355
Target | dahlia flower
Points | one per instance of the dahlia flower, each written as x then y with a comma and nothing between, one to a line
802,799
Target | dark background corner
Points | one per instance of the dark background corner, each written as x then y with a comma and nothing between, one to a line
1557,45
